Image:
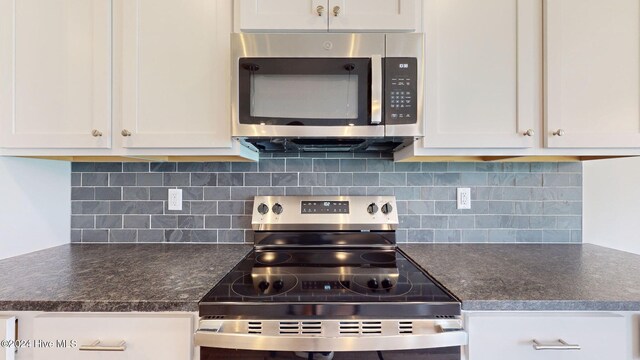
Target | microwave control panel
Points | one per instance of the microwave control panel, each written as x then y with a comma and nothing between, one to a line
401,85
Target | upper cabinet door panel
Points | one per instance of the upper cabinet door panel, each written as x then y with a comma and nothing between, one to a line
175,63
55,73
283,15
373,15
593,73
483,75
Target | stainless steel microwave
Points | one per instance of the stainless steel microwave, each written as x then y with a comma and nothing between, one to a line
367,85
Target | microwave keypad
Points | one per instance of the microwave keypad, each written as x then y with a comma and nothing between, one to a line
401,87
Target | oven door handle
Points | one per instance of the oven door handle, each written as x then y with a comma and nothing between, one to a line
376,90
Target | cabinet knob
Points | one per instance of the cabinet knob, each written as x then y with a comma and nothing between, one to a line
336,10
320,10
558,132
529,132
126,133
96,133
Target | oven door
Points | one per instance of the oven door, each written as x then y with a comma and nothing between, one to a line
307,85
244,338
448,353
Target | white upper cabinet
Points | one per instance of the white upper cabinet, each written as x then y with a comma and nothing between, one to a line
283,15
483,73
592,73
55,73
173,78
373,15
327,15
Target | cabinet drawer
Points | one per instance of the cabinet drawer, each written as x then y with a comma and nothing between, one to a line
510,336
145,337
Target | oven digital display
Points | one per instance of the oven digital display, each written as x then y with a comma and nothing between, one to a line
324,207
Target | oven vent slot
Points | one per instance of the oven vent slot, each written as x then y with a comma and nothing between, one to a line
405,327
300,327
445,317
360,327
214,317
254,327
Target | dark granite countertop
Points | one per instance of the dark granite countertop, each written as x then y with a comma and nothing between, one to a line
534,277
174,277
115,277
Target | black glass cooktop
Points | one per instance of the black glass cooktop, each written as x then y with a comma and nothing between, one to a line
328,282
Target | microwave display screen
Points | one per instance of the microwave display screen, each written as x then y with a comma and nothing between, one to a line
306,96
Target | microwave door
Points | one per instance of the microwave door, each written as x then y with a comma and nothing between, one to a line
310,97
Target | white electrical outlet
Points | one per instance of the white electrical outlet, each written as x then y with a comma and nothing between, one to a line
175,199
464,198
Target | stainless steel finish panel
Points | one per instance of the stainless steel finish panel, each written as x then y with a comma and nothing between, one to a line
292,219
307,45
328,310
330,334
376,89
409,45
301,45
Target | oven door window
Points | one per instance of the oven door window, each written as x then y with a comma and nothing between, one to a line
305,91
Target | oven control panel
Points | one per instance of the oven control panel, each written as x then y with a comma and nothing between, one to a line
324,207
363,213
401,87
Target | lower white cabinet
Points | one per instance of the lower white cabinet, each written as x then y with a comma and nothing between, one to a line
503,335
7,333
113,336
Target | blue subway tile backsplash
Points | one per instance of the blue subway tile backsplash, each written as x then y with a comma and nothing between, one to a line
511,202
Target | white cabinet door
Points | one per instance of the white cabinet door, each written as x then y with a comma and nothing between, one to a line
510,336
55,73
593,73
283,15
483,73
373,15
174,81
146,337
7,333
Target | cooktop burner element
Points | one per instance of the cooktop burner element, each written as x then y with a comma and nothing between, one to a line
379,257
327,271
273,257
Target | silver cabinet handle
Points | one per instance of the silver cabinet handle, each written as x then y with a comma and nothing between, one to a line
558,132
95,346
96,133
529,132
563,345
126,133
336,10
376,89
320,10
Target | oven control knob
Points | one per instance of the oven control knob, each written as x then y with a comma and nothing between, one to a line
387,208
278,285
386,284
277,209
372,208
263,286
263,208
372,284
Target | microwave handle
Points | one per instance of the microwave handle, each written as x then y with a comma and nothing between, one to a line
376,90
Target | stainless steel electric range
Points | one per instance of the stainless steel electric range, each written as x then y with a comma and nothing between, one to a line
325,278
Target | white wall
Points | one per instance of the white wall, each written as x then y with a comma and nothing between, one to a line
35,205
612,203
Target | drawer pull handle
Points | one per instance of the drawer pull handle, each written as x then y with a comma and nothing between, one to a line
95,346
562,346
